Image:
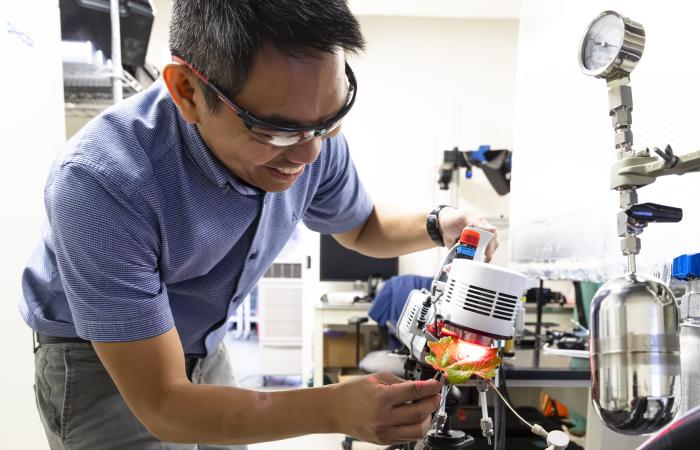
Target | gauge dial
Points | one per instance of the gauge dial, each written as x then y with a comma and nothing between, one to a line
612,45
603,42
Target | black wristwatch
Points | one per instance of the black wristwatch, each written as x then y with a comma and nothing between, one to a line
432,225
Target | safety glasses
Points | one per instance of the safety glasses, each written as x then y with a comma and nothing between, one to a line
275,134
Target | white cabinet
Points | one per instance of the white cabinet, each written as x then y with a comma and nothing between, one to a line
280,304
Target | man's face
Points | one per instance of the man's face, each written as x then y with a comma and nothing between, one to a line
293,91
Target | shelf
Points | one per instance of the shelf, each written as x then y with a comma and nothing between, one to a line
87,88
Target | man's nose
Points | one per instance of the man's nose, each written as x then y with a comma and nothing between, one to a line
306,152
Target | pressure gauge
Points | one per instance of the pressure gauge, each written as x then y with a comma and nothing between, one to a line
611,46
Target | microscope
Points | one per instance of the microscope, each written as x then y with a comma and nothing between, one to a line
635,351
478,305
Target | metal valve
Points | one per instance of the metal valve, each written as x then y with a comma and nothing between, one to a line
635,218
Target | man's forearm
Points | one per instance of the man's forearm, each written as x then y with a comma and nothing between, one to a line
223,415
390,232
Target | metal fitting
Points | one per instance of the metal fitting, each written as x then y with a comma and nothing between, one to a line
623,136
622,228
628,197
620,97
487,428
626,225
690,306
621,118
440,421
630,245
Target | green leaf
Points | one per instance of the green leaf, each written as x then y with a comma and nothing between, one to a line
461,360
430,359
438,349
456,376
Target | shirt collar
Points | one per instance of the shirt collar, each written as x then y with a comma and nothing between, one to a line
208,163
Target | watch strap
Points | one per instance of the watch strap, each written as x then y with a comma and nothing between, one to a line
432,225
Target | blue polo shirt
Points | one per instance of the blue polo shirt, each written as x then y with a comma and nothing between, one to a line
148,230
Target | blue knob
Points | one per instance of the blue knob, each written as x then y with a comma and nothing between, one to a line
686,267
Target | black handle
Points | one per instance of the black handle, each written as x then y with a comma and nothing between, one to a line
652,212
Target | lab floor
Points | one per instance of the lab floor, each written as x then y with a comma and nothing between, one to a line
313,442
246,368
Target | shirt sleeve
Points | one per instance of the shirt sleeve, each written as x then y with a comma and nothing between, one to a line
340,203
107,256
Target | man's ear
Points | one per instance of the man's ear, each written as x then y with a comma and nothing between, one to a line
181,86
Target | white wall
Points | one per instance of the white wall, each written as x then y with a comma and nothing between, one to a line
426,85
473,9
32,128
158,53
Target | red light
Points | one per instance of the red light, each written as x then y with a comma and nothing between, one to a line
468,351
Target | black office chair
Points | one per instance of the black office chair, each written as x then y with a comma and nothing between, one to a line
383,360
397,290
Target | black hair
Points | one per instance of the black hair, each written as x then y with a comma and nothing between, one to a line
220,38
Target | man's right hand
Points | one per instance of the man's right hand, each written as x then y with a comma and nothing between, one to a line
384,409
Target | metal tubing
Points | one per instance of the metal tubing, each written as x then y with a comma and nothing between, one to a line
631,263
117,93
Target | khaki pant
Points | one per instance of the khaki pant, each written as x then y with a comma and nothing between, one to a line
81,408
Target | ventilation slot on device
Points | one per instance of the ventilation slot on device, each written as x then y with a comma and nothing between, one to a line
490,303
479,300
450,292
505,306
411,315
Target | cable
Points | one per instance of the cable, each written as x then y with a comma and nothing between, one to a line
508,404
440,269
499,423
503,384
499,415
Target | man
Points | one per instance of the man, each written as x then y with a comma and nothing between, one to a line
166,210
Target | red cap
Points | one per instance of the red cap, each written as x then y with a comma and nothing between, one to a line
470,237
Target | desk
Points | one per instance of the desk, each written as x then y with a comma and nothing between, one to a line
325,315
532,368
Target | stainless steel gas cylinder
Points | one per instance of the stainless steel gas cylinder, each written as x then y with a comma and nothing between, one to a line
635,354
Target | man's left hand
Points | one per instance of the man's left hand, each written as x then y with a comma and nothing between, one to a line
452,222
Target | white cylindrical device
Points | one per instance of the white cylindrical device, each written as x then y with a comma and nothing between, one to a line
482,298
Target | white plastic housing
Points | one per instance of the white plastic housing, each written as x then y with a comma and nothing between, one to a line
482,298
480,252
409,333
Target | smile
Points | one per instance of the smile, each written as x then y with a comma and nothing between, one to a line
289,170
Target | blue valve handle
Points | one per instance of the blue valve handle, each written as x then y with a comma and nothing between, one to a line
686,267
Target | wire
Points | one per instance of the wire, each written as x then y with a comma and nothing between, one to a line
435,318
438,274
508,404
503,383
